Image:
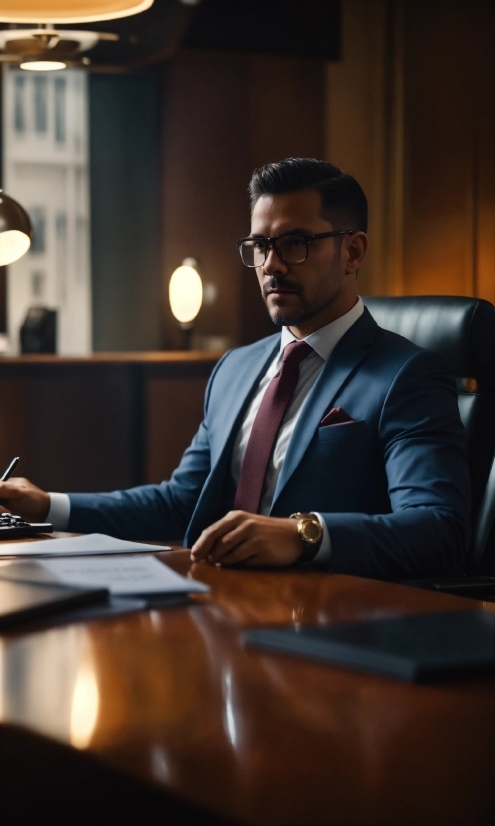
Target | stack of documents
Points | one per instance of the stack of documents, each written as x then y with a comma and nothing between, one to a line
98,562
92,544
124,576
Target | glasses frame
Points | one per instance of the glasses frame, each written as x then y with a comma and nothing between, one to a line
271,243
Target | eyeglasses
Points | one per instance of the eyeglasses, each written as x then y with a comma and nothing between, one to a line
292,249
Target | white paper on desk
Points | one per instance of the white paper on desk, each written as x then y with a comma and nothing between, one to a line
122,575
92,544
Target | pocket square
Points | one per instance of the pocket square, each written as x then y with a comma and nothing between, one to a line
336,415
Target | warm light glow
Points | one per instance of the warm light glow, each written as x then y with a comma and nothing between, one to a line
43,65
2,684
185,293
13,245
69,11
85,705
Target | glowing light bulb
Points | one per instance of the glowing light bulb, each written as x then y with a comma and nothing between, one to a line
43,65
186,292
13,245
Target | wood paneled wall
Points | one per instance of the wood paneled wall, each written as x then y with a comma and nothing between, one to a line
101,423
224,114
449,148
411,113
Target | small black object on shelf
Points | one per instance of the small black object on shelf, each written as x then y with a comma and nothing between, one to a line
39,331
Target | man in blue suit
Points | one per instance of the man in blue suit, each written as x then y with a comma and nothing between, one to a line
333,442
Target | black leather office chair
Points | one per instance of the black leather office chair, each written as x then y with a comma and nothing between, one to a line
462,330
483,540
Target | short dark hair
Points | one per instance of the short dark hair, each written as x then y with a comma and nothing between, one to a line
343,200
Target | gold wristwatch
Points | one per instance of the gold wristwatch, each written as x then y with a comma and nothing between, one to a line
311,533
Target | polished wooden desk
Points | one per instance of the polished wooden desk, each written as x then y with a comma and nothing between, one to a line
172,702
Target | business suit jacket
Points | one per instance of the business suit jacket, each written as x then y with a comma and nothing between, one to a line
392,485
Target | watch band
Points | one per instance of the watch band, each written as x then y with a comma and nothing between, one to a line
311,534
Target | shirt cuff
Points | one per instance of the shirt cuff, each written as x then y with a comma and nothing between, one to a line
59,512
324,555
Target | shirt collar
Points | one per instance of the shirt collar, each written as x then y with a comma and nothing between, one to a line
324,340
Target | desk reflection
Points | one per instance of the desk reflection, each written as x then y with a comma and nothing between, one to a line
172,696
48,682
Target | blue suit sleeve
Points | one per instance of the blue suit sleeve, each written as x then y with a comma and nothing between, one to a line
150,512
424,451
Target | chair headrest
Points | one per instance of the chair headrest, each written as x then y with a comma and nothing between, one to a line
461,329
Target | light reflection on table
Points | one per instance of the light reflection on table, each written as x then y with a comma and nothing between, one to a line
173,696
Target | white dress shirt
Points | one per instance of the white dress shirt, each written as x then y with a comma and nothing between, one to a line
323,342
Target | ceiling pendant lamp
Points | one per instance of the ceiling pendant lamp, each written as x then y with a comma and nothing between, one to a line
15,230
69,11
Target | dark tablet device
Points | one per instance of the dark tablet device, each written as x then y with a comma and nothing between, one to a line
22,601
424,647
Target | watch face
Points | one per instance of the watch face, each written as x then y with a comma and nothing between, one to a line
311,530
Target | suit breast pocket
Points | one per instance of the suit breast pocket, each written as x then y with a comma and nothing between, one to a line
350,430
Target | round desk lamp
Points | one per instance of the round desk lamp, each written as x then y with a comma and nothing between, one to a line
69,11
16,232
185,293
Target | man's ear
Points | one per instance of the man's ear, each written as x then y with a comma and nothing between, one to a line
356,247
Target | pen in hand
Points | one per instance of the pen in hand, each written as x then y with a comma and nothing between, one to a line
7,473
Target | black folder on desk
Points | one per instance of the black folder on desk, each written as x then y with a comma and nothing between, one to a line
22,602
414,648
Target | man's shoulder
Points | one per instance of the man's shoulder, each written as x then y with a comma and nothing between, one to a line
395,343
391,352
240,367
257,348
401,354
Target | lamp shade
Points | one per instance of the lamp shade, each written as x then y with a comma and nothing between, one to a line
186,292
68,11
15,230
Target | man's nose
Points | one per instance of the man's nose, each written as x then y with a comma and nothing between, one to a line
274,263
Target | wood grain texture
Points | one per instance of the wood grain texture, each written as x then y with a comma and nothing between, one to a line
224,114
132,357
411,113
174,409
448,117
102,423
254,737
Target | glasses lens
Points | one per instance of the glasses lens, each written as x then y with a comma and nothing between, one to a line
253,253
292,249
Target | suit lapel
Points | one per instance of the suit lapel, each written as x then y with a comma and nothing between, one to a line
348,354
241,385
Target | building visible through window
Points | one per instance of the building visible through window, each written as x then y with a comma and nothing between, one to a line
38,222
40,103
60,109
45,161
19,104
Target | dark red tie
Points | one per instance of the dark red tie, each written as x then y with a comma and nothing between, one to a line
266,425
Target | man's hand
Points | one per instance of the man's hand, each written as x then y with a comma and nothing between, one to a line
249,539
22,498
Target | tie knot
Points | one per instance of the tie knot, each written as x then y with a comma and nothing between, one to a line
296,351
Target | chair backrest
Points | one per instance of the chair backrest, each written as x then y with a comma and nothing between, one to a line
463,331
483,539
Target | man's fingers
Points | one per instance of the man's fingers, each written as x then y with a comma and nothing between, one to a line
209,538
204,544
226,543
13,489
243,554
